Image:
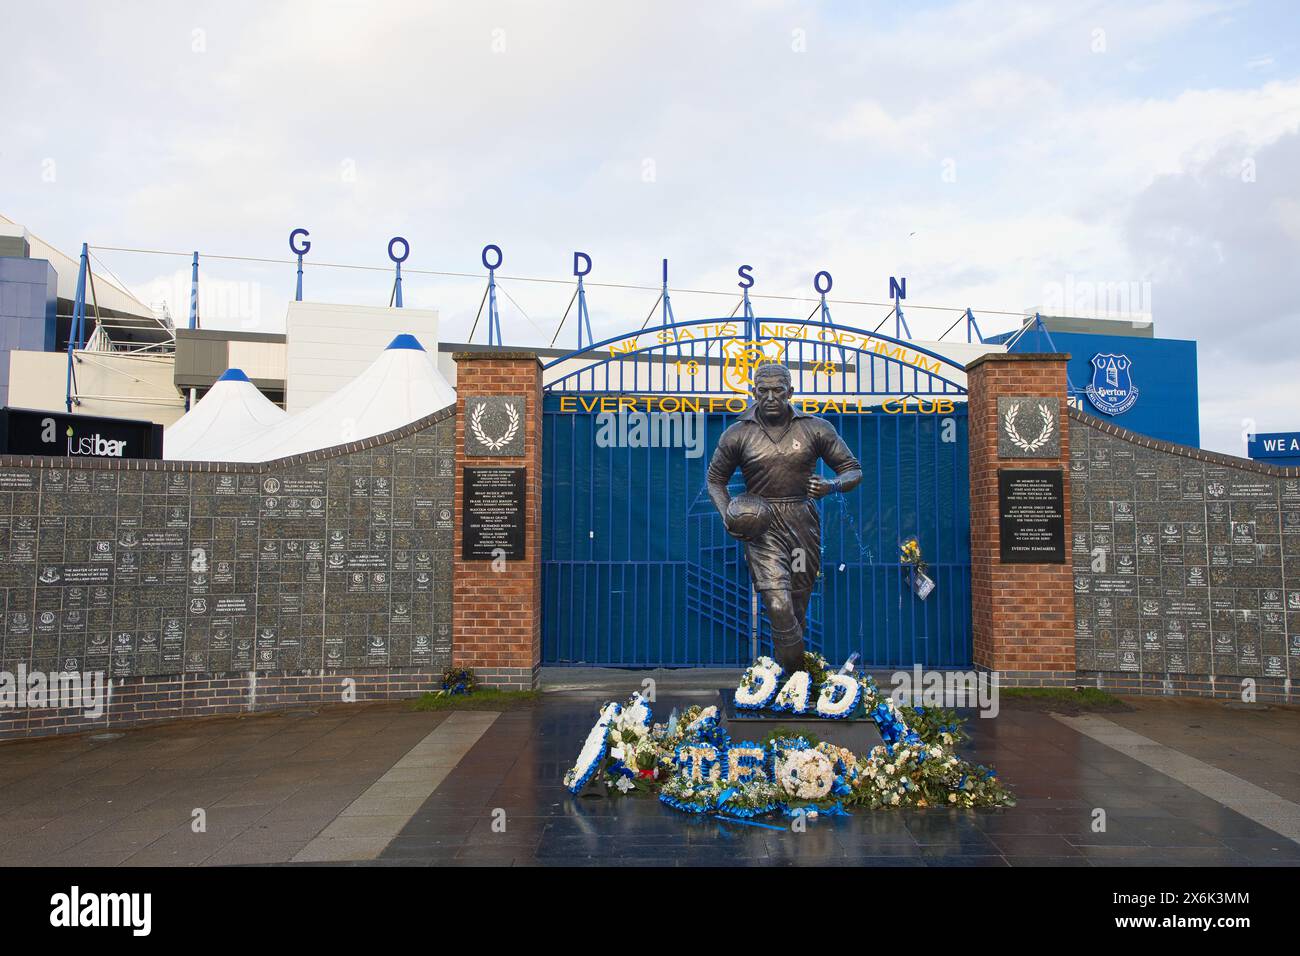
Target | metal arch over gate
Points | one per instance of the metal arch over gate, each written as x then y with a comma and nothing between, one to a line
637,570
702,357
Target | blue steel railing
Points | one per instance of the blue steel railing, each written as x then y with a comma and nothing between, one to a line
637,570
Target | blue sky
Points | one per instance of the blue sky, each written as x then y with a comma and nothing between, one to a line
991,152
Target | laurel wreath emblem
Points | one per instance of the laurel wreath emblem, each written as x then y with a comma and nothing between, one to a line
493,444
1027,444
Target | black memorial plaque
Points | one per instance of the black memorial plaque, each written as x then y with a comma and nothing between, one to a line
493,516
1031,515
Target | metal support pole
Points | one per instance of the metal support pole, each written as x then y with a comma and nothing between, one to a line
194,293
666,317
899,320
582,267
825,314
299,245
78,332
584,317
972,324
490,295
78,319
1041,330
397,262
494,317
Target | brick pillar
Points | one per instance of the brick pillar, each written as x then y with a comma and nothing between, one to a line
1022,614
497,614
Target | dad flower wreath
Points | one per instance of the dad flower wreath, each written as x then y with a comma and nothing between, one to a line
692,765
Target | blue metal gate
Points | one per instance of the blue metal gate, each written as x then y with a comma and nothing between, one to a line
637,570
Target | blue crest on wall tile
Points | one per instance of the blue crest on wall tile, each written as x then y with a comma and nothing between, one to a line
1111,390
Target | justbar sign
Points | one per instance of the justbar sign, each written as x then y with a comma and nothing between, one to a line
30,432
96,445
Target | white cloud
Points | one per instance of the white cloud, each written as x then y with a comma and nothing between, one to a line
982,149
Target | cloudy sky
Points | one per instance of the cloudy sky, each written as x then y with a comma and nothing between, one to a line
1144,156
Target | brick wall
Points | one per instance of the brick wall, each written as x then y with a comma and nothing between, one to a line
497,613
1022,614
132,701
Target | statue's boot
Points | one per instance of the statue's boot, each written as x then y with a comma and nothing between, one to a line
789,648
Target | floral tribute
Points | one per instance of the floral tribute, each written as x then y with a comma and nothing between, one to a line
457,680
839,695
691,764
910,557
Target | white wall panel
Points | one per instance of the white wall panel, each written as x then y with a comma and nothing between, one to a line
330,345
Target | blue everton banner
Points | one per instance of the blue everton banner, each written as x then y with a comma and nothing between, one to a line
1274,445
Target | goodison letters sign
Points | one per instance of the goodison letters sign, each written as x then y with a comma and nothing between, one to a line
28,432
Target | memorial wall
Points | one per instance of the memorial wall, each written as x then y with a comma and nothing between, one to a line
333,560
1186,564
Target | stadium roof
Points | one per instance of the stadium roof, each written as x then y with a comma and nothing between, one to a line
233,411
399,387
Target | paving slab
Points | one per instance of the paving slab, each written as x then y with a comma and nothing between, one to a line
130,799
371,822
1264,807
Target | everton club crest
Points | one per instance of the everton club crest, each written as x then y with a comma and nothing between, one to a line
1112,390
743,358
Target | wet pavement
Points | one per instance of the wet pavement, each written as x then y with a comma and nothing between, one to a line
381,784
265,785
1061,778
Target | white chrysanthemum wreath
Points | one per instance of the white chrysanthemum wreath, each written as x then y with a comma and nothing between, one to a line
794,696
805,774
759,684
839,696
593,749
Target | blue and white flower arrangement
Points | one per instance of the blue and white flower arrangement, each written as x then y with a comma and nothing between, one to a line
759,684
746,763
805,774
839,697
594,750
794,696
693,766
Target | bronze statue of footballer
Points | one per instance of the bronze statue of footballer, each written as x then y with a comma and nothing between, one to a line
777,447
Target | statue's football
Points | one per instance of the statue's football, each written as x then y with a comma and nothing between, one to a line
748,516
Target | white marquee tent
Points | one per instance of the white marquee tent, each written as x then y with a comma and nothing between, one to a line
399,387
232,411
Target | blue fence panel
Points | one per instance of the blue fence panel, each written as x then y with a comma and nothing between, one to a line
637,570
915,483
